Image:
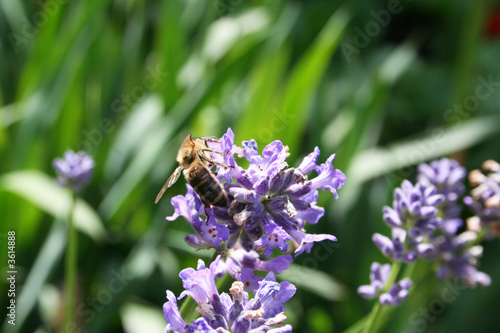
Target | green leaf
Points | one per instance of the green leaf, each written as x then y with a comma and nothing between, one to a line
306,76
47,258
141,318
315,281
43,192
378,161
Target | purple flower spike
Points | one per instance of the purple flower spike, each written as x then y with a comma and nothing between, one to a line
230,313
269,203
74,170
424,221
413,216
446,175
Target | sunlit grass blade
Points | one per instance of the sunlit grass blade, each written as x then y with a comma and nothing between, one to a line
315,281
264,80
43,192
138,317
306,75
48,256
440,142
369,103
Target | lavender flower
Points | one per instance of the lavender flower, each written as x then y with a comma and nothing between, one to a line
413,217
458,258
269,202
424,222
447,176
224,313
456,254
208,232
379,276
74,170
485,199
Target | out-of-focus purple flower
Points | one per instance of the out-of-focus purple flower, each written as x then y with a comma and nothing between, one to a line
74,170
485,199
397,293
225,313
379,275
458,258
412,218
425,222
269,202
400,247
414,206
456,254
448,177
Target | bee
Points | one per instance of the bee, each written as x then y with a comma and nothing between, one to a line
194,157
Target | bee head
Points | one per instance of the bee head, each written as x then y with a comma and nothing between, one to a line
186,153
187,156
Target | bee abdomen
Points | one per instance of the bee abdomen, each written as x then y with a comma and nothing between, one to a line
207,186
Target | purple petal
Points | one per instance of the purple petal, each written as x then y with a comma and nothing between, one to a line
309,162
275,265
274,237
306,241
172,314
367,291
200,283
384,244
284,329
250,281
328,178
311,215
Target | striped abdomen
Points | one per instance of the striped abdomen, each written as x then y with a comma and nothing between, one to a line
206,185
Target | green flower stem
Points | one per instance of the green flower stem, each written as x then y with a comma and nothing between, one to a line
187,308
377,310
358,327
70,269
481,235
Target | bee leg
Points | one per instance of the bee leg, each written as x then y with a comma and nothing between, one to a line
225,166
211,139
206,213
215,151
212,161
204,158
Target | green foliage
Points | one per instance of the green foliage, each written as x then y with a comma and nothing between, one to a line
127,80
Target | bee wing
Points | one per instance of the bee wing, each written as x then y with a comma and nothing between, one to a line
170,181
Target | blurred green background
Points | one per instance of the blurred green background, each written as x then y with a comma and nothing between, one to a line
384,85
